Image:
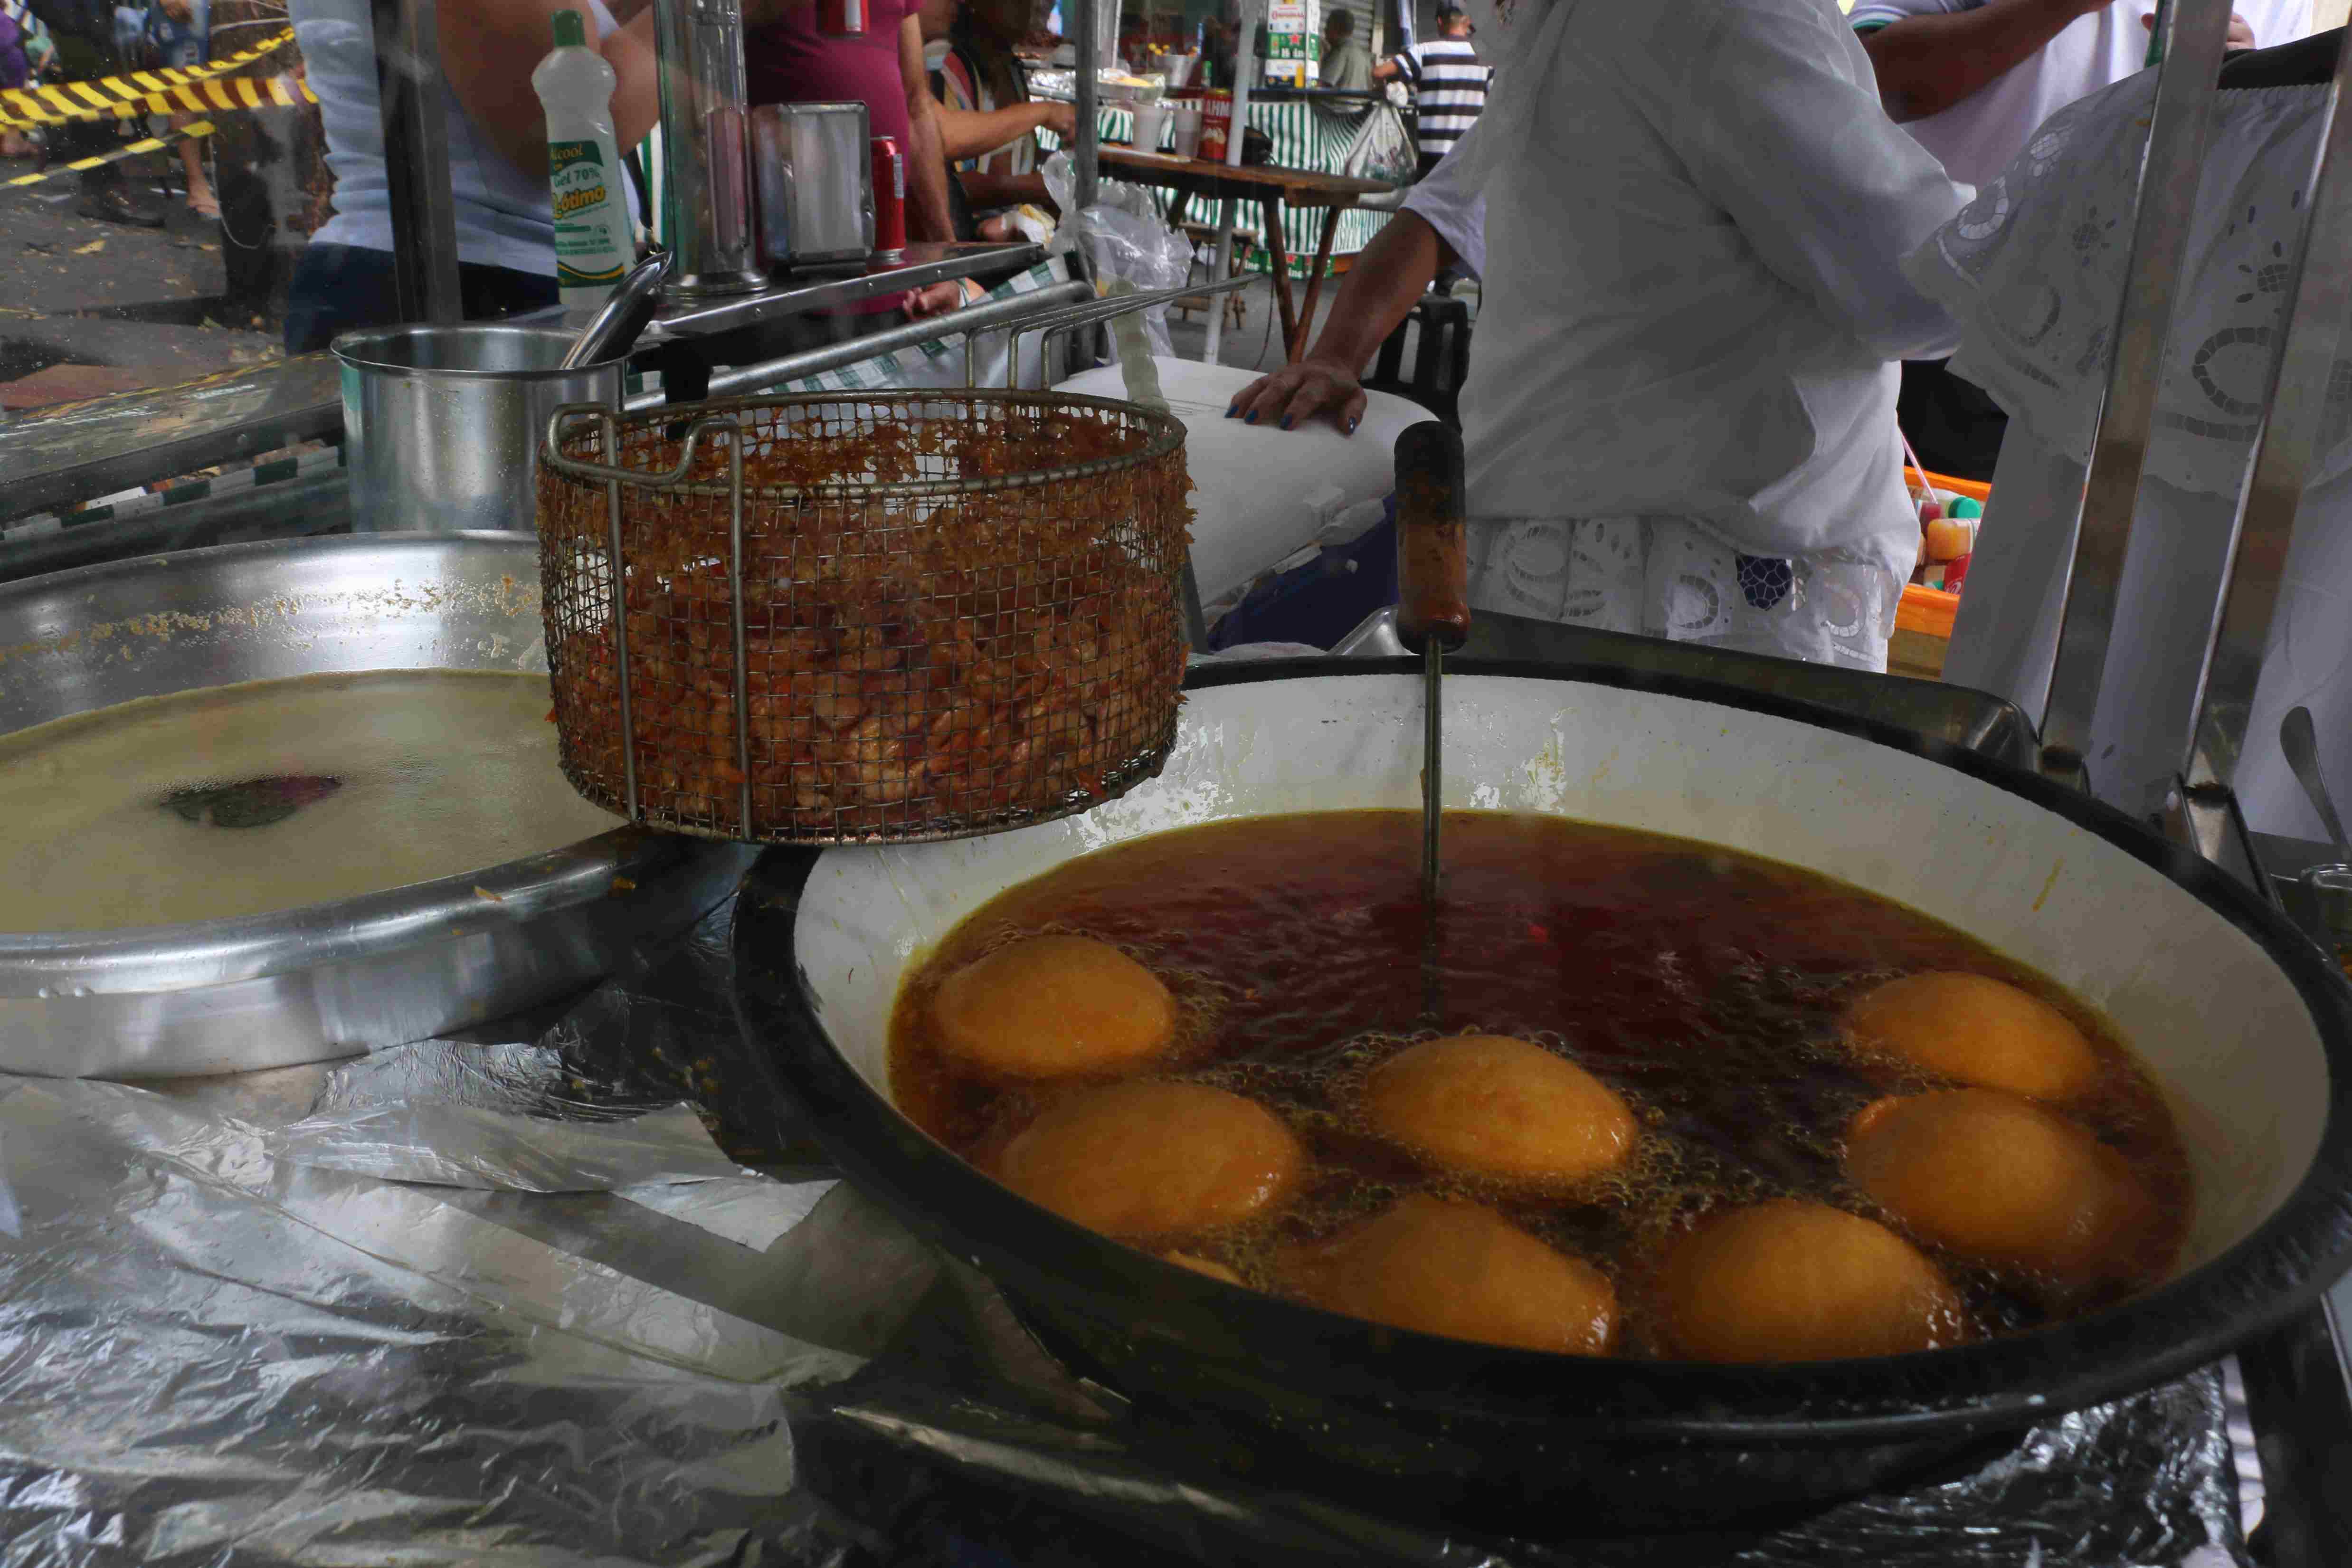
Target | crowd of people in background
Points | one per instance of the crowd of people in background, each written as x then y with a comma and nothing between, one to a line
1714,226
1346,64
1971,82
79,40
1688,429
1448,82
989,119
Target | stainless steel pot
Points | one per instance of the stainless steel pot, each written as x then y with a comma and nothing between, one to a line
333,979
441,424
2245,1023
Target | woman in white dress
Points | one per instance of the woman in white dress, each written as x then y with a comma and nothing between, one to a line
2034,270
1680,411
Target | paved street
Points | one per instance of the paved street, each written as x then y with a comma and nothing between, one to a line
91,307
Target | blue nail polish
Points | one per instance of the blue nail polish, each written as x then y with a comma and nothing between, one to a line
1232,409
1285,420
1353,423
1251,418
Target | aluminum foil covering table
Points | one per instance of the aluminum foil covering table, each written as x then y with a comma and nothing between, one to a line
507,1300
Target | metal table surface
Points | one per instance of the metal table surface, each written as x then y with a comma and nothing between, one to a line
822,290
501,1299
1271,188
53,459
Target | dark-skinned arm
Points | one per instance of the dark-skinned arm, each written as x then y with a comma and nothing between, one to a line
985,191
1392,273
926,165
969,132
489,48
1927,64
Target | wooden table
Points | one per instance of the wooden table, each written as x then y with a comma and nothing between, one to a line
1270,187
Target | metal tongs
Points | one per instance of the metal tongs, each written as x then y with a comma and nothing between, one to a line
1433,619
623,317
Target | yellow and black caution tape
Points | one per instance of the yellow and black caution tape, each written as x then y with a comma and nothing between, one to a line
165,90
188,132
209,98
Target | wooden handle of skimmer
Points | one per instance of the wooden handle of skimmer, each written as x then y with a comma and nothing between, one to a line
1433,544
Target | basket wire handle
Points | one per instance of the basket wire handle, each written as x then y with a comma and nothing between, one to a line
1064,324
733,431
660,799
610,472
611,429
551,449
1064,321
613,475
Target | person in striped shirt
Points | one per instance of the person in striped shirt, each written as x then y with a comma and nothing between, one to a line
1449,83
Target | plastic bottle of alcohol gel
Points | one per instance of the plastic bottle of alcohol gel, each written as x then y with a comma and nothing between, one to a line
595,239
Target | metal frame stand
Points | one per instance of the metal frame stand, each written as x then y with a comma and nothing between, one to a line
409,97
2295,1380
1244,73
1064,324
2204,814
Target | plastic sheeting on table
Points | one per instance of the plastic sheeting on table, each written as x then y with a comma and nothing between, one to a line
504,1301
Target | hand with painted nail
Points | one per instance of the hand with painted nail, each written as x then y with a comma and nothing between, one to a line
1296,393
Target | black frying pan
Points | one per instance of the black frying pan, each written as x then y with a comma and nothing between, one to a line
1282,1392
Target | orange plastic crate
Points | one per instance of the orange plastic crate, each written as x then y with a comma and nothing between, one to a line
1973,489
1929,611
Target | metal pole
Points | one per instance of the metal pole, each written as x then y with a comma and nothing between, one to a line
1221,263
1245,77
2179,129
1253,12
412,105
792,367
706,147
1065,325
617,585
742,686
1085,30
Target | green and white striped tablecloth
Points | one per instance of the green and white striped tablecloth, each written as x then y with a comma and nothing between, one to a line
1306,135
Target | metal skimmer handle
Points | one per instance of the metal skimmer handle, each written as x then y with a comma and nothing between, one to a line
1433,578
1433,541
621,319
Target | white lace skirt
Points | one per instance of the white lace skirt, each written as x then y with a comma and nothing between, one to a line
1663,577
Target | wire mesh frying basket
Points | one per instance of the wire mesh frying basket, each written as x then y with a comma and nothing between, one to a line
841,618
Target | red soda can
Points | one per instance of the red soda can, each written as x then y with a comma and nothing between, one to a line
889,200
1216,123
841,18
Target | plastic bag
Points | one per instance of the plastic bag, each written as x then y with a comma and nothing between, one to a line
1127,241
1381,149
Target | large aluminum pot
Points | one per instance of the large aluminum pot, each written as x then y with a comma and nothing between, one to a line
2246,1025
441,424
333,979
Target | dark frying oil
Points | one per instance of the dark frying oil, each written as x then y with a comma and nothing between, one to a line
1703,985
